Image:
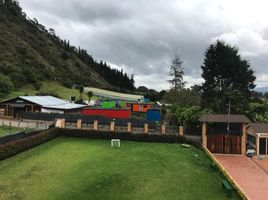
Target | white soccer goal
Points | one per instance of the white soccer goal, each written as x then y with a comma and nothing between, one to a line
115,142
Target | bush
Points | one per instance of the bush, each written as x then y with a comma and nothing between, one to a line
5,84
9,149
37,85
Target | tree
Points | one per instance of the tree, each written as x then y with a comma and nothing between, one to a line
184,97
81,90
176,74
5,85
142,89
52,32
89,94
228,79
190,114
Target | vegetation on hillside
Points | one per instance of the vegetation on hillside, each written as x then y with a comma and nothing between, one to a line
30,54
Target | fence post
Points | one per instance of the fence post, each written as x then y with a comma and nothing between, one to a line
163,129
112,126
79,124
95,126
181,130
129,127
146,128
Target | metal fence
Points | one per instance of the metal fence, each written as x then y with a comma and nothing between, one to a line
17,136
87,119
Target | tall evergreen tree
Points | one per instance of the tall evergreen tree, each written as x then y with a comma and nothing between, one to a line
228,79
176,74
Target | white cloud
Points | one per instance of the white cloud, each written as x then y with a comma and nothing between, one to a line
250,43
142,36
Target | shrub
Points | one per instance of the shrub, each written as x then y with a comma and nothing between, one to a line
9,149
5,84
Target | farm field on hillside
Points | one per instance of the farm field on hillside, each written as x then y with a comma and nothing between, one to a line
73,168
48,87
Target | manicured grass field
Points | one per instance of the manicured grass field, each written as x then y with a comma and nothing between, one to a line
5,130
72,168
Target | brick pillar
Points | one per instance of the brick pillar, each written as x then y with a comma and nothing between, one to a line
257,144
129,129
95,125
163,129
204,134
79,124
112,126
181,130
146,129
244,140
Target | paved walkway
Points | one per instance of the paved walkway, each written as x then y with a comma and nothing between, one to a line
262,164
250,177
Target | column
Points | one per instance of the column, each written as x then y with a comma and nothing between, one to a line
129,127
244,139
112,126
204,134
163,129
146,129
63,123
95,126
181,130
79,124
257,144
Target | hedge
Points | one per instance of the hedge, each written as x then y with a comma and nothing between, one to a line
17,136
108,135
12,148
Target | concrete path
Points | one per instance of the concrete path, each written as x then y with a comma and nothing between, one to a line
250,177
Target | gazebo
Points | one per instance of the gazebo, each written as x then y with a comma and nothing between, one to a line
224,134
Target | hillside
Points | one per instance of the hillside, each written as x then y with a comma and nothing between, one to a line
29,54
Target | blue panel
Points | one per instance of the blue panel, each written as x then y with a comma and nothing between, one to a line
153,115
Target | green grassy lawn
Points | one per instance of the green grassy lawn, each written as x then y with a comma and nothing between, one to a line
5,130
72,168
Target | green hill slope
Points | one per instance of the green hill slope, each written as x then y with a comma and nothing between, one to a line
29,54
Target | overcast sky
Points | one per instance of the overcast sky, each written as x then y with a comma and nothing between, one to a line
142,36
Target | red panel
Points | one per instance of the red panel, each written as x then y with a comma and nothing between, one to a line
141,107
110,113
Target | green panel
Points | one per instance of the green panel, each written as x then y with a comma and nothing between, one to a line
108,104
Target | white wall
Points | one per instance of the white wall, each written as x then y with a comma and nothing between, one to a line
45,110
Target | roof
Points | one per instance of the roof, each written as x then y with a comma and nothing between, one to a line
224,118
51,102
114,95
259,127
44,100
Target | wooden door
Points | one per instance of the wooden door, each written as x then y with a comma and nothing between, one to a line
224,144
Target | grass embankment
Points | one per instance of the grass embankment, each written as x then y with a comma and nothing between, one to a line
48,87
73,168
